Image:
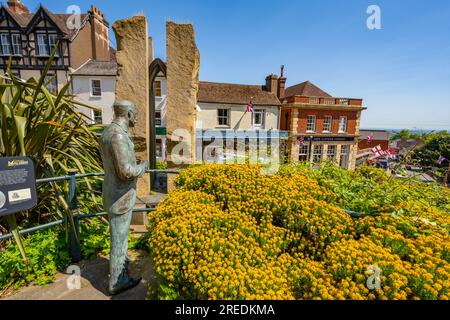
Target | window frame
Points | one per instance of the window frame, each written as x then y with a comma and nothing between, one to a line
340,123
155,88
227,117
158,120
329,124
39,46
97,115
303,155
5,35
308,123
18,36
314,154
91,88
344,155
334,155
263,116
158,148
51,46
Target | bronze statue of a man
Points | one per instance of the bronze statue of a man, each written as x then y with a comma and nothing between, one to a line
119,190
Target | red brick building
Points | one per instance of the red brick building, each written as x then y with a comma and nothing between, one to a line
327,125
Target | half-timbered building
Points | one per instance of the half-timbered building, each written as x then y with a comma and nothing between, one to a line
27,40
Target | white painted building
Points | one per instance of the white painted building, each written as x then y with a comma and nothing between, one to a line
221,110
94,84
222,106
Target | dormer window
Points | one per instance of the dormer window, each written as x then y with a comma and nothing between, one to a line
52,40
42,44
5,44
46,43
16,44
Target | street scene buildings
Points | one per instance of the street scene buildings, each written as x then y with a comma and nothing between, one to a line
319,126
199,175
311,124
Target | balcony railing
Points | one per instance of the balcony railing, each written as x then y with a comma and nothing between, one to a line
328,101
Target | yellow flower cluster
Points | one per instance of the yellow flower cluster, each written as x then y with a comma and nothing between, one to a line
232,232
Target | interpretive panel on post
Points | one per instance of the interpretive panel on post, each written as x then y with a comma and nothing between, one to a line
17,185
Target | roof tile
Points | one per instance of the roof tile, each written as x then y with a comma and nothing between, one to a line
97,68
305,89
235,94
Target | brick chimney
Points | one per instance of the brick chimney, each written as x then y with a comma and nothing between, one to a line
271,83
17,6
99,35
281,87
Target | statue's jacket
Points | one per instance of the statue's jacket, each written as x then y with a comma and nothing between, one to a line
121,171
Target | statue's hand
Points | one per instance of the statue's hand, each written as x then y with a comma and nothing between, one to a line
144,167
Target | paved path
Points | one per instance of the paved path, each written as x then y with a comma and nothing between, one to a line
94,275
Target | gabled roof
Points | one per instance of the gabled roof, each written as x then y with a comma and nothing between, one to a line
307,89
97,68
21,20
27,20
216,92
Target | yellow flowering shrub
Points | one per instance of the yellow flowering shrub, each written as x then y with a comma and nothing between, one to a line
231,232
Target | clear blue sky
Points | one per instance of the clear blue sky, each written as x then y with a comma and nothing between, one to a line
401,71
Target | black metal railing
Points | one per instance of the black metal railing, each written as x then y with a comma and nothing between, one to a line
76,217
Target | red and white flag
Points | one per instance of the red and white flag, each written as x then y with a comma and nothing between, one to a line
377,150
387,153
250,106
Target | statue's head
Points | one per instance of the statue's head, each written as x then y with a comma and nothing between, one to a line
125,109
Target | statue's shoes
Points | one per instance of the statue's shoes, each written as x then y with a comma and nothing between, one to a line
131,283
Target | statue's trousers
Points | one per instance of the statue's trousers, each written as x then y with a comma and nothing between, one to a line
119,225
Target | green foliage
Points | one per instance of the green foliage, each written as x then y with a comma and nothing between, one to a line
371,191
161,165
140,243
47,253
434,146
405,134
94,237
47,128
